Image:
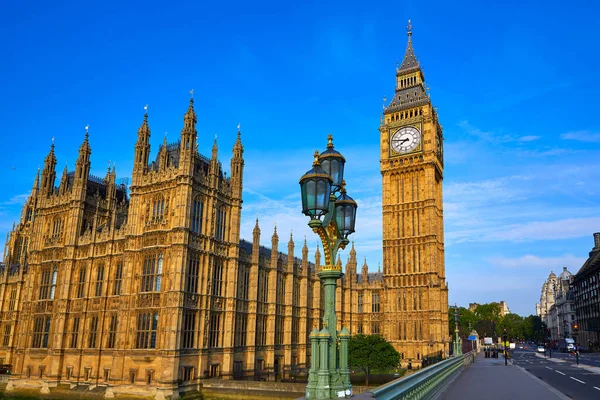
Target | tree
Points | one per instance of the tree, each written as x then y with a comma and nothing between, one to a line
371,352
465,319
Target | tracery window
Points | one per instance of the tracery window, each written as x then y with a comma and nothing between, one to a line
188,329
197,211
221,224
360,302
99,280
118,279
214,334
48,284
147,326
112,331
217,277
41,332
158,208
93,332
81,283
57,226
152,273
74,332
375,305
7,332
191,279
13,299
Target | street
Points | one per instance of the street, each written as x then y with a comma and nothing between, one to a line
592,359
560,372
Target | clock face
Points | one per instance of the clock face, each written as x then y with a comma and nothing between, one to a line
406,139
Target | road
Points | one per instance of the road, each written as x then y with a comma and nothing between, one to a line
592,359
574,382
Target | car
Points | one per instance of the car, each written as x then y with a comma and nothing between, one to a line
541,349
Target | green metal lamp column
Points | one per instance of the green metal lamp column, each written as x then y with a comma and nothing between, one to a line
457,342
332,218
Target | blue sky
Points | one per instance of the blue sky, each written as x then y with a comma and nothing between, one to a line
515,85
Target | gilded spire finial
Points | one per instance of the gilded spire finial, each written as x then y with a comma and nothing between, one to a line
409,29
330,141
146,109
316,162
192,94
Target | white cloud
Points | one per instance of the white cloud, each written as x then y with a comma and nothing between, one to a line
582,136
529,138
529,261
18,199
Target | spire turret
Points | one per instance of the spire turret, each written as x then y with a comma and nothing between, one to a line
365,272
188,133
36,182
237,166
63,182
215,149
317,259
409,62
49,172
82,166
142,147
305,250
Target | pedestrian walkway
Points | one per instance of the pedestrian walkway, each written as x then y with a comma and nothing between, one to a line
490,379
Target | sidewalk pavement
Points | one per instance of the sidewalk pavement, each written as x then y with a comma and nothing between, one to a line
490,379
587,367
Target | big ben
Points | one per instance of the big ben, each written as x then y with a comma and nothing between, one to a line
412,165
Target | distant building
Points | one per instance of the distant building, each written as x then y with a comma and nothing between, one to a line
503,307
559,313
587,302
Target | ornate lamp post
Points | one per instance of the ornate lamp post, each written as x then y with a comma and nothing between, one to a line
457,342
332,216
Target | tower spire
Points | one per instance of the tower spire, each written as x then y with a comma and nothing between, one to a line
409,61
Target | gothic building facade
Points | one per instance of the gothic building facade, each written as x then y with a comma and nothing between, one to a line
149,289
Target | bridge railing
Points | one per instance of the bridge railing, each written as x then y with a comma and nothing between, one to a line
423,384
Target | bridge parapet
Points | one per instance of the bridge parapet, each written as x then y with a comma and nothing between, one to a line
421,385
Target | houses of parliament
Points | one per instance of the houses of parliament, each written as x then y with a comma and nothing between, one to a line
149,289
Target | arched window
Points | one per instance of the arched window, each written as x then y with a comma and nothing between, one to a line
152,273
221,224
197,213
147,327
48,284
158,208
53,283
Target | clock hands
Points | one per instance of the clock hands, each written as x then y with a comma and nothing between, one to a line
401,141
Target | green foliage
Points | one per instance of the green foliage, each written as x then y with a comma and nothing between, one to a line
487,320
371,352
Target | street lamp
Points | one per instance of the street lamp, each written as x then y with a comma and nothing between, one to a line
457,342
505,342
332,216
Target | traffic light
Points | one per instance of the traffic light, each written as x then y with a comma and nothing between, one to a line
575,327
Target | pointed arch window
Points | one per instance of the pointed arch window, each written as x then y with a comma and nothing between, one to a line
147,327
81,283
158,208
197,213
152,273
221,224
48,284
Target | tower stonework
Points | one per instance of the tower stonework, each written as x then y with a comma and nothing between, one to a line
412,164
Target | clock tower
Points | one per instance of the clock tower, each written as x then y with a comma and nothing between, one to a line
412,165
